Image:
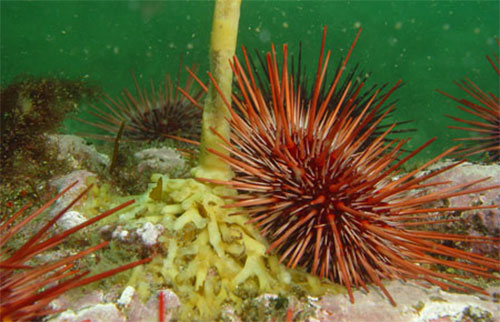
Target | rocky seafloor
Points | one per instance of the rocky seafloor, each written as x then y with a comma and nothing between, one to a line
415,302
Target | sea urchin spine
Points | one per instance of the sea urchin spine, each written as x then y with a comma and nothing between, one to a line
486,107
149,115
25,291
327,201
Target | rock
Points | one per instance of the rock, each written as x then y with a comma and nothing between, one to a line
482,222
414,303
122,234
272,307
126,296
160,160
83,300
128,307
75,149
149,233
469,172
228,314
62,182
71,219
149,311
99,312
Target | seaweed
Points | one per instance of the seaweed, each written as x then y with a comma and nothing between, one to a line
32,107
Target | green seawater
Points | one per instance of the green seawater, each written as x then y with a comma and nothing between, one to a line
427,44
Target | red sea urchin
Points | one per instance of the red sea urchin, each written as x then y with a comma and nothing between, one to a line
485,106
358,91
148,116
330,203
26,291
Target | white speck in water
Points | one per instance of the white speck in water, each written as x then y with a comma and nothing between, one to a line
64,32
265,36
285,24
398,25
477,30
116,50
171,45
189,46
357,24
446,26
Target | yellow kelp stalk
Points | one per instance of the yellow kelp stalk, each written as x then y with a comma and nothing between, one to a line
215,113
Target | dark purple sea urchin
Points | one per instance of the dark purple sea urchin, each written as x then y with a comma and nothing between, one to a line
156,114
325,199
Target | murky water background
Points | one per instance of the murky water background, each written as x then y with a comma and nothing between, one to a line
427,44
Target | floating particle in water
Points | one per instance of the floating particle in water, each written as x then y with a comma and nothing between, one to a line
265,35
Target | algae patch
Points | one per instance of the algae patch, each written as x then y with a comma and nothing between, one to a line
207,254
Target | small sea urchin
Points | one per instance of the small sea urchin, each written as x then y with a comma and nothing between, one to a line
155,115
325,199
486,107
26,290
